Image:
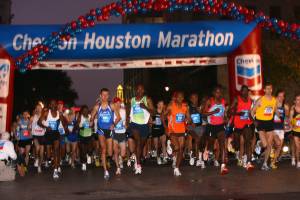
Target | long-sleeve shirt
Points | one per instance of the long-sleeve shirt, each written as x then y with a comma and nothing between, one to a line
7,150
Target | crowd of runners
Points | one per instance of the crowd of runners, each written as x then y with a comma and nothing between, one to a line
205,131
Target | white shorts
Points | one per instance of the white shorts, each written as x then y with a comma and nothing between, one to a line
280,133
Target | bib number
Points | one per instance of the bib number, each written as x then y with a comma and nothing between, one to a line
298,123
245,115
26,133
179,118
106,118
268,111
137,109
158,121
119,126
53,125
196,118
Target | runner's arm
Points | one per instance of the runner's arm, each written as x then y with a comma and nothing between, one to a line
93,114
256,105
206,107
42,118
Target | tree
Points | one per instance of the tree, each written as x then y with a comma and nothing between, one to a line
281,63
41,85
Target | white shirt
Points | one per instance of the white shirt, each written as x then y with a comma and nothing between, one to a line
7,150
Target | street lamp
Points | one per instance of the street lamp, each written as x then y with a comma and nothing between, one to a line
167,89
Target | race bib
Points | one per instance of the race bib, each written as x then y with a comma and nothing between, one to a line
245,116
137,109
277,119
26,133
53,125
158,121
70,128
61,131
196,118
86,124
268,111
298,123
105,118
221,112
179,118
119,126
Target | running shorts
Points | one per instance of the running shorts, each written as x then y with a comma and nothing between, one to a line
40,139
214,130
104,132
266,126
143,129
51,137
24,143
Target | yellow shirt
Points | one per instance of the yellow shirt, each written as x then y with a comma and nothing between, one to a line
296,122
265,111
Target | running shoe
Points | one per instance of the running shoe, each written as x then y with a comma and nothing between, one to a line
205,155
224,169
46,164
97,162
83,167
239,163
73,166
36,163
177,172
153,154
128,163
192,161
138,169
121,162
59,169
272,154
258,148
39,169
165,160
298,165
174,162
159,161
55,174
106,175
249,166
200,163
273,165
265,167
216,163
89,159
293,162
169,148
118,172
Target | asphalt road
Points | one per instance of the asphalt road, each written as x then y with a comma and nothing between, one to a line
157,182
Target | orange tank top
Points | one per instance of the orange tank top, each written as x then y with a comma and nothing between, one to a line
178,122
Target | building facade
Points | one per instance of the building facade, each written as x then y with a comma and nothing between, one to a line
5,12
199,79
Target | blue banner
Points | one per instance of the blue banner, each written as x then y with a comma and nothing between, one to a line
117,41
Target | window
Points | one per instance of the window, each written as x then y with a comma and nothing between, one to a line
297,13
275,11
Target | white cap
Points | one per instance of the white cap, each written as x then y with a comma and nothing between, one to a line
5,136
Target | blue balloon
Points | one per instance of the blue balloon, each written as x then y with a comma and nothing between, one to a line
225,5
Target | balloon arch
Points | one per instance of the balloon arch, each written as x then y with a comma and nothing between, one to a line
244,62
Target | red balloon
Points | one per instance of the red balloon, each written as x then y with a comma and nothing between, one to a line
73,25
91,23
29,66
68,37
294,27
46,49
281,23
81,19
100,18
93,12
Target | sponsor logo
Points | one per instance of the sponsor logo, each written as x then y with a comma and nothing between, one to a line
4,77
248,71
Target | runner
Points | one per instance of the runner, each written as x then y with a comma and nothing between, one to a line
295,116
196,130
283,110
105,125
243,127
72,135
158,133
38,134
119,135
85,136
24,139
215,110
263,110
140,112
50,119
180,115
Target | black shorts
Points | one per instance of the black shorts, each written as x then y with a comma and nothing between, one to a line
214,130
24,143
105,132
51,137
266,126
143,129
85,140
157,133
41,139
296,134
240,130
178,134
119,137
95,136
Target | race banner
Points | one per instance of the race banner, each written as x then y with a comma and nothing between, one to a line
135,41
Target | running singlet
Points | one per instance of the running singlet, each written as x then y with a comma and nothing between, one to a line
265,111
178,118
105,118
2,147
23,131
139,115
157,122
296,122
217,118
240,121
85,129
36,129
195,116
121,126
52,122
279,120
61,129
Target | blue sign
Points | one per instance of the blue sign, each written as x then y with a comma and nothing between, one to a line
117,41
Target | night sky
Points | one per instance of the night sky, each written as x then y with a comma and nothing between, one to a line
86,83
